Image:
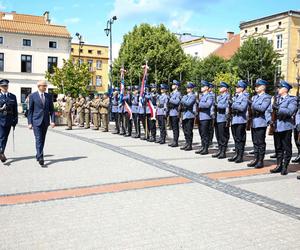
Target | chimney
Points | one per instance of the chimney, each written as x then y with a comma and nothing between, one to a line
230,35
47,17
13,12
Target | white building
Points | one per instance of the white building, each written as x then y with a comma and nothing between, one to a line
30,46
199,46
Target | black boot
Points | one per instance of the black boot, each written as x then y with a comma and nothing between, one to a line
278,167
233,158
199,151
184,146
205,150
162,141
222,153
174,144
297,159
284,170
217,154
254,162
189,147
260,163
240,157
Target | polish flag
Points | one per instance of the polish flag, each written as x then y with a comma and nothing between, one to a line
128,109
152,110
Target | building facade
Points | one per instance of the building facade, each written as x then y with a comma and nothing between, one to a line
29,47
97,58
230,47
283,31
199,47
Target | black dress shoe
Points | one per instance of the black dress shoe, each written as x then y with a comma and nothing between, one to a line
174,145
233,158
260,164
127,135
41,162
188,148
2,157
184,147
252,163
115,133
217,154
274,156
298,177
204,152
68,129
276,170
297,159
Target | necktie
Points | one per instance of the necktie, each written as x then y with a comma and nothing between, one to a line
43,98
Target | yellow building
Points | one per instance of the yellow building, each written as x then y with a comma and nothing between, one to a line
283,31
97,58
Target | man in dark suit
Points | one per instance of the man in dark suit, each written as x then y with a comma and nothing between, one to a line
8,115
40,111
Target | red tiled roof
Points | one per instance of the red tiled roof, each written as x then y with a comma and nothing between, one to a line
228,49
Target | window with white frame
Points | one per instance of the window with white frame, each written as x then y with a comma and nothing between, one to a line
53,44
1,61
99,81
279,41
26,42
90,63
1,39
99,64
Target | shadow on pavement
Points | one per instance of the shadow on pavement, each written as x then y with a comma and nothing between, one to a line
23,158
51,162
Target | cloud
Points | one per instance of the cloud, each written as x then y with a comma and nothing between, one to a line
72,20
175,13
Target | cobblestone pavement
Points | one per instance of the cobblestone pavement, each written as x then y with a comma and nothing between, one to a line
104,191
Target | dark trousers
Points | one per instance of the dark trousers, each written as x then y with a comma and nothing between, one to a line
115,116
211,131
175,127
283,145
239,136
188,126
122,122
222,134
4,133
152,127
40,136
128,124
162,126
136,123
142,118
259,142
296,139
204,128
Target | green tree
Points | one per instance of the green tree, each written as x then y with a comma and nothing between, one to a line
256,58
72,77
159,47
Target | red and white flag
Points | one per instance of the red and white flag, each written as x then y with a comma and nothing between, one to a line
152,110
128,109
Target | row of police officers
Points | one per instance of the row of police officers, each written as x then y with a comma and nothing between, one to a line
213,113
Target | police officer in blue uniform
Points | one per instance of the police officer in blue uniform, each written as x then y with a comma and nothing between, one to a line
205,105
173,107
152,122
286,108
239,121
121,115
222,126
261,110
213,114
162,108
135,111
8,115
144,113
188,103
128,122
114,109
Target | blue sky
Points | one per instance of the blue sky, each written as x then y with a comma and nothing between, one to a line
203,17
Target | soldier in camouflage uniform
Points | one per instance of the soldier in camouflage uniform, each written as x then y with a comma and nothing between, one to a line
104,105
95,107
87,110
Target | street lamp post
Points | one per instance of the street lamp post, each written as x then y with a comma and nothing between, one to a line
108,32
80,45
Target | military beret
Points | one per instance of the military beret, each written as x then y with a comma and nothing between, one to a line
261,82
190,85
153,86
284,84
224,85
4,82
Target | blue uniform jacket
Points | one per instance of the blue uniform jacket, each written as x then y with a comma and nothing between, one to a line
239,109
135,104
205,105
162,104
261,110
223,108
145,104
114,104
189,106
174,102
9,115
287,109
